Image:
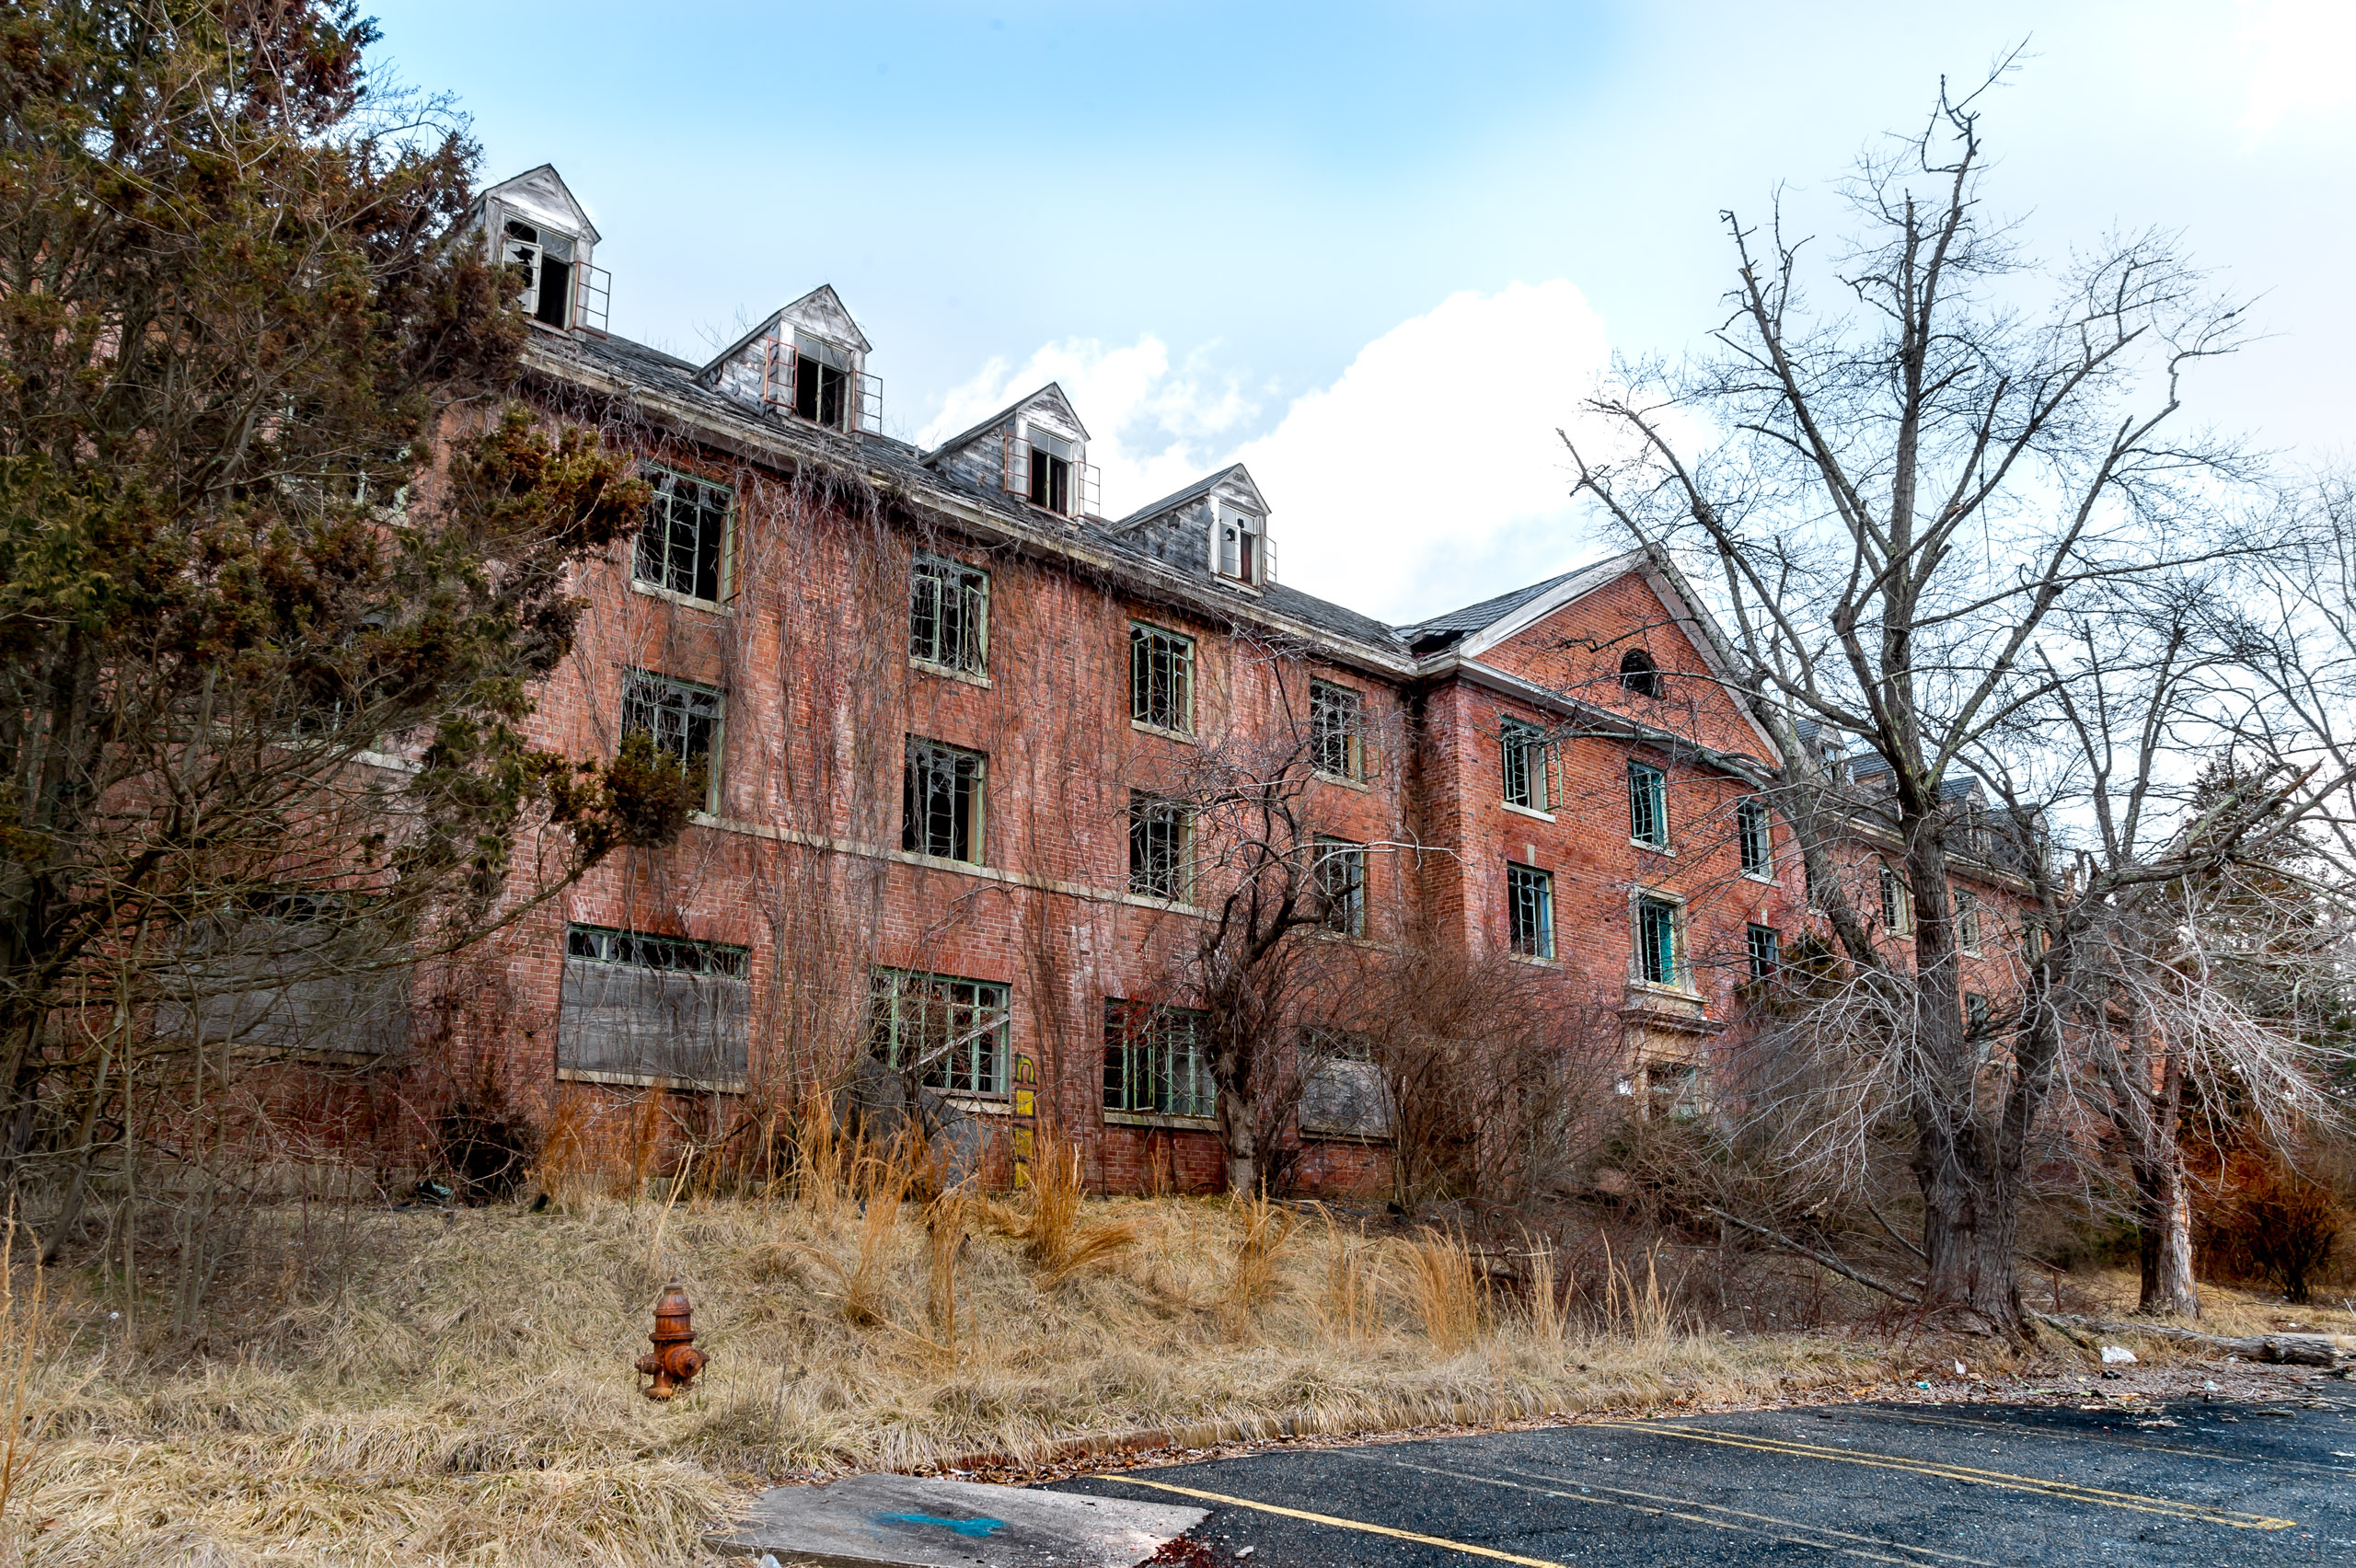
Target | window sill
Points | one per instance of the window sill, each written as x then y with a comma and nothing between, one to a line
1148,901
1143,1119
1347,938
1345,780
1240,585
652,1080
978,1105
1651,849
1527,811
715,606
951,672
1765,881
939,862
1183,736
1666,993
1533,958
1343,1135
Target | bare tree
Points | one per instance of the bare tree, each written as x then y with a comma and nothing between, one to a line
1905,505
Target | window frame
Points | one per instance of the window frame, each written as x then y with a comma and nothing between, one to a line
1754,827
1166,1039
970,769
1535,888
665,481
1648,906
971,659
1350,856
1763,945
1250,559
1640,675
1897,902
1150,814
1656,804
823,358
636,681
1966,921
1520,741
995,1021
1144,639
1325,699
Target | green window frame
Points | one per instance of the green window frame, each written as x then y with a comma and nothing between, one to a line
1523,748
1529,911
1154,1061
1161,679
683,540
1657,945
958,1032
1648,805
949,616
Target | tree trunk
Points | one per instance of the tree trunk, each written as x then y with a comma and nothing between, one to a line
1970,1224
2163,1225
1239,1142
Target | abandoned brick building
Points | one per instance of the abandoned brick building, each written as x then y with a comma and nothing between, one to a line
953,724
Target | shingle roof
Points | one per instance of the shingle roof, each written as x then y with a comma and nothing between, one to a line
1172,503
1473,617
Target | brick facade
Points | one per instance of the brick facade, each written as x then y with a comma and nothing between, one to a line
802,866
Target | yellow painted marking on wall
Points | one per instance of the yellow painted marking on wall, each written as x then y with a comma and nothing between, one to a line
1792,1448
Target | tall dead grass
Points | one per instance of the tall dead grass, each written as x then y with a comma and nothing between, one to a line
22,1315
468,1397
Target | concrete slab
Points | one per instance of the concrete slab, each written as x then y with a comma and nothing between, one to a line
900,1521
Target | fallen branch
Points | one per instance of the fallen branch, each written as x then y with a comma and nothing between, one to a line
2285,1350
1824,1259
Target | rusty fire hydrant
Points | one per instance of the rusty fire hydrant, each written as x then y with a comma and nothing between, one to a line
675,1360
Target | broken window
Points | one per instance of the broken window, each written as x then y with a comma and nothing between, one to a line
1638,674
942,802
683,720
1339,877
1154,1061
1049,480
1966,920
641,1006
953,1034
1529,911
1242,554
1757,838
1975,1014
681,542
1161,679
822,375
1336,725
1648,805
1897,903
1765,949
543,260
1524,763
949,606
1656,926
1161,847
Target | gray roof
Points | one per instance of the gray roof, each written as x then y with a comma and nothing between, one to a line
1473,617
1172,503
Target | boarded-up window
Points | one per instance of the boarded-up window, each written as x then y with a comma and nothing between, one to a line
638,1007
301,977
1342,1092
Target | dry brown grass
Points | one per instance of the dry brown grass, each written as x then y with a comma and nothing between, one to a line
465,1394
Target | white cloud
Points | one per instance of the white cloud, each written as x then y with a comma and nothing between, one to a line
1426,476
1147,423
1430,474
2298,56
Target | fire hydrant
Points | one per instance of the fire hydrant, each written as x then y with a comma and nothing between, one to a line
675,1360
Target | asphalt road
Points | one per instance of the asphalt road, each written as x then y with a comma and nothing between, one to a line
1939,1485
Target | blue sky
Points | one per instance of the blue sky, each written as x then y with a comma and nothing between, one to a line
1379,251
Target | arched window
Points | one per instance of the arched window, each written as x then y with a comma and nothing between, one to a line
1638,674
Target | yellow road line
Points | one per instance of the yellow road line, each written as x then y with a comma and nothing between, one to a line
2111,1440
1921,1551
1793,1449
1439,1542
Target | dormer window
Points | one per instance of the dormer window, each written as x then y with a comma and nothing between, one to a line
1050,477
1050,471
543,259
821,382
1243,547
1639,674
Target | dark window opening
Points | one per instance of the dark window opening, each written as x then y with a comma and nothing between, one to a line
1529,912
1765,949
544,262
941,807
683,540
1161,679
1050,480
951,1033
1648,805
949,609
1336,721
821,383
1639,674
1525,766
1154,1061
1161,847
1752,829
1340,879
1656,941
